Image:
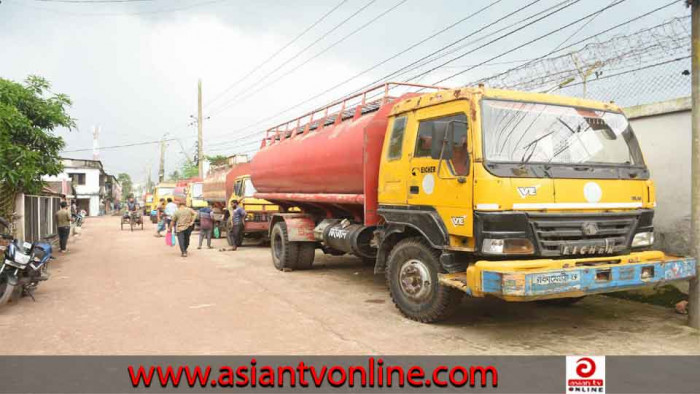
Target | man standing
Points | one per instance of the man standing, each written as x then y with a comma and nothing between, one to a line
237,225
206,225
183,221
168,213
63,219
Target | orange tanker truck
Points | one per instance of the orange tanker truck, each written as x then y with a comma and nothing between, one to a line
477,191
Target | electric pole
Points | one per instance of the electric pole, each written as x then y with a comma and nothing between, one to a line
694,293
161,169
200,146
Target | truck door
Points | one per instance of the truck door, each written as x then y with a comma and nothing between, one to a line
392,178
445,186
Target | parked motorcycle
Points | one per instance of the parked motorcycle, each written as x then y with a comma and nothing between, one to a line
24,266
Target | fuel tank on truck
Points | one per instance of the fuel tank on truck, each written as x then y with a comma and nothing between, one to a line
328,160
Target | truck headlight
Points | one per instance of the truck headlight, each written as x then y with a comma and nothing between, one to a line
507,246
643,239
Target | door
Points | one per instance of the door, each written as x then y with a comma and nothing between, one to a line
444,185
392,172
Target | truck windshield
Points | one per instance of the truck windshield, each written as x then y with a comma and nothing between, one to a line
249,188
166,191
197,190
521,132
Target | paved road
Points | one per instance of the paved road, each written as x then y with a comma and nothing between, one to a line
127,293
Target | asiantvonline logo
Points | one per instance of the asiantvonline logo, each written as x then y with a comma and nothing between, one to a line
585,374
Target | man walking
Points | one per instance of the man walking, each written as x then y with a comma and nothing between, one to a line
183,221
63,219
206,225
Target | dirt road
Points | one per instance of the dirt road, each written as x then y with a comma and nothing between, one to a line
118,292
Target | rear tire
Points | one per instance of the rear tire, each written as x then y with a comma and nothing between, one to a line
412,277
307,253
284,253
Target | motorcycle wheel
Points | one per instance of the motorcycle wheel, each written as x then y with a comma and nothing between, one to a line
7,289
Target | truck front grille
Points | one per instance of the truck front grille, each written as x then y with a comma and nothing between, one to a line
599,234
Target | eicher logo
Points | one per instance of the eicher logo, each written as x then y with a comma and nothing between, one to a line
458,220
423,170
526,191
585,374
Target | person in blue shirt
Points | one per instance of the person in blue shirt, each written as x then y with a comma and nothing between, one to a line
236,227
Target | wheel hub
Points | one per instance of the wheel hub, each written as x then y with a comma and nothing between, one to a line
414,278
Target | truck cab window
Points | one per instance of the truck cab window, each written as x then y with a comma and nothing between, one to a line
458,164
396,141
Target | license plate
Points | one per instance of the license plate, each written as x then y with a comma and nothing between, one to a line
556,278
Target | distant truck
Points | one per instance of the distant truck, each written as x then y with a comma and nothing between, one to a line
258,211
477,191
161,191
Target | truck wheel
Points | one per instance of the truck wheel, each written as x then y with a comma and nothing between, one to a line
412,277
284,253
307,252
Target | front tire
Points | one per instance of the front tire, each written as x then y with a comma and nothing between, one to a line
284,252
412,277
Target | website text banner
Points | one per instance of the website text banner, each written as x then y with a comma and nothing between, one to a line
246,374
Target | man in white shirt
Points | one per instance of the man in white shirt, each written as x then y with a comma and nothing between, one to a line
170,209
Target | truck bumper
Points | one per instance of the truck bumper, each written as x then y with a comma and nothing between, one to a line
530,280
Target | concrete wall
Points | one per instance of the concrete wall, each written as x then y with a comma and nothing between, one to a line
664,132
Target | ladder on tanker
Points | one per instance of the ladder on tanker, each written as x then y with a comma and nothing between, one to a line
350,107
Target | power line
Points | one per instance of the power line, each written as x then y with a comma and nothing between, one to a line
388,75
326,34
516,48
392,57
239,99
121,146
257,67
580,41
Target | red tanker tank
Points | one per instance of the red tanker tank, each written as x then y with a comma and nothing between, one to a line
333,160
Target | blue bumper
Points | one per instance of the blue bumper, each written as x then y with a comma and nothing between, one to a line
519,285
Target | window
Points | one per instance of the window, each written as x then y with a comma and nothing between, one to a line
78,179
237,188
396,141
458,165
249,188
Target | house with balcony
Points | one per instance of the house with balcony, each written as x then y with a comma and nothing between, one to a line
94,188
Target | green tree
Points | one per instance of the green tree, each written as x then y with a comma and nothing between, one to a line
217,160
189,170
174,176
29,114
127,185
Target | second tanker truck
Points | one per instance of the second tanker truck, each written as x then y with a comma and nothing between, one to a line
522,196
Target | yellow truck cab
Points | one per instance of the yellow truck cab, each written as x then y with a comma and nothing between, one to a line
258,211
523,196
161,191
195,200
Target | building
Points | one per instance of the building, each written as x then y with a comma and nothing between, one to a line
94,188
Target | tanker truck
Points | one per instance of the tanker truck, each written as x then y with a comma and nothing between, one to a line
476,191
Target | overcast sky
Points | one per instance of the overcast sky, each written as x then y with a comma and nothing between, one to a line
132,67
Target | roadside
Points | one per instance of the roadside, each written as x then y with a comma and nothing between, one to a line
122,292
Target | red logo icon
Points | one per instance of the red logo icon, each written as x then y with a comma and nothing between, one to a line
585,367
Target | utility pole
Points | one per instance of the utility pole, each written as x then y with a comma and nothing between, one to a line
200,146
161,169
694,293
